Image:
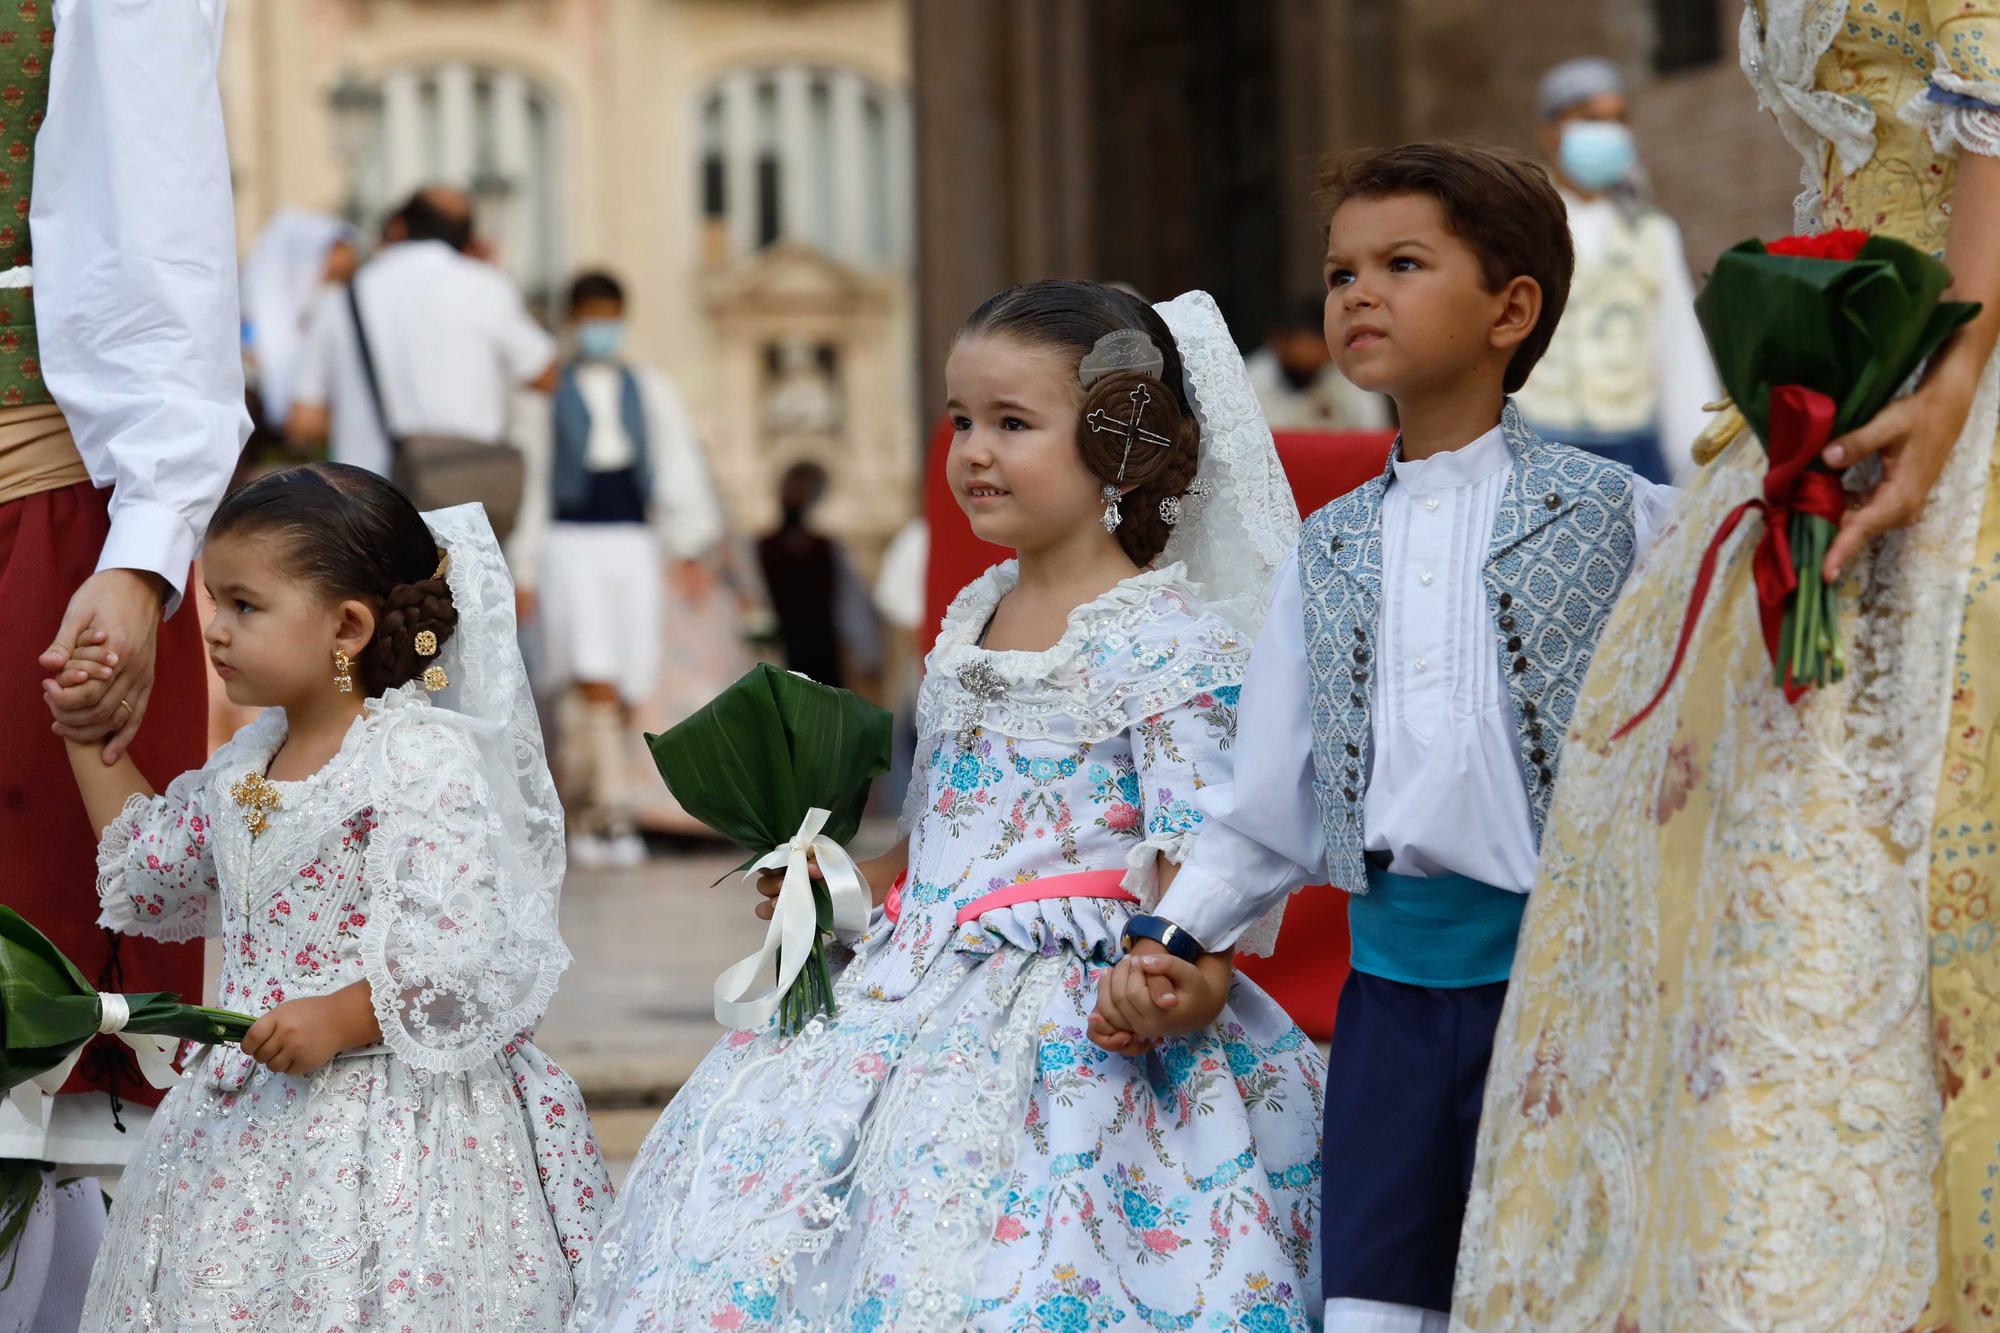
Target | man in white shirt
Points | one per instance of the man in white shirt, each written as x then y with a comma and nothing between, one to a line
1629,372
450,337
121,418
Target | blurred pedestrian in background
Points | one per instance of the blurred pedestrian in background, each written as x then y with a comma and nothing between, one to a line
1298,385
1628,373
618,502
826,625
449,340
298,256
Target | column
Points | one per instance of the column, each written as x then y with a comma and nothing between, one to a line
516,223
739,155
899,193
796,206
456,141
849,237
402,135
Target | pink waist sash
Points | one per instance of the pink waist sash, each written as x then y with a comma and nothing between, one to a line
1082,884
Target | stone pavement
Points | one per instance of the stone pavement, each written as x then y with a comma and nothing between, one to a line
634,1014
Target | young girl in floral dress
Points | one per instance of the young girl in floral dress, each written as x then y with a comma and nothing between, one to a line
949,1150
381,853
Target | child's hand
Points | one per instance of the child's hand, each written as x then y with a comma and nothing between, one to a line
300,1036
1151,995
80,683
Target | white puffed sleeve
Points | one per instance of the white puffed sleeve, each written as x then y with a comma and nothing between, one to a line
155,865
461,949
1175,753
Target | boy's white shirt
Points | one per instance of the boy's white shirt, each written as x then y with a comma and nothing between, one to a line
1445,793
686,516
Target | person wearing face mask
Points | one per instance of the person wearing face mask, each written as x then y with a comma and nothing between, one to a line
618,502
1297,384
1628,373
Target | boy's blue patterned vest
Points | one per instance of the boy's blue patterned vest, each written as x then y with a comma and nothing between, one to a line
1563,543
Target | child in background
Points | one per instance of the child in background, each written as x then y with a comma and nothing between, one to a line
617,503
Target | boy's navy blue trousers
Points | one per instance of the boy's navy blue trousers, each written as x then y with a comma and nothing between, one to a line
1405,1078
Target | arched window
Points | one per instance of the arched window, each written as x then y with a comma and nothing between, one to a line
808,153
490,131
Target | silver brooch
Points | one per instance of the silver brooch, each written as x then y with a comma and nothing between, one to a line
981,681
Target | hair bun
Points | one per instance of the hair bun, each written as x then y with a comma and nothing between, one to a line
1164,448
391,657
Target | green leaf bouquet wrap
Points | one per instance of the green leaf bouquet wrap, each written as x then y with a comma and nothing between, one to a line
783,765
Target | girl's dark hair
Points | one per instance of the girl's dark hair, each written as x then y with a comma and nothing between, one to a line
349,533
1071,316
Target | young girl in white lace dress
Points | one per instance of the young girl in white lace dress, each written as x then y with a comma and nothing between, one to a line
380,853
949,1150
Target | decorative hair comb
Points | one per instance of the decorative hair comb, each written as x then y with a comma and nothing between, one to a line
1121,350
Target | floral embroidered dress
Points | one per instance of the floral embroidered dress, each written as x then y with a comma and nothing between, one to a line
443,1181
950,1150
1744,1079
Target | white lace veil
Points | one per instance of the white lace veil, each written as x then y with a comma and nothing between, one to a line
463,948
489,685
1235,541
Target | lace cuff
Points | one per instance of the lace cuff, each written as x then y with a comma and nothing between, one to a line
154,874
1958,114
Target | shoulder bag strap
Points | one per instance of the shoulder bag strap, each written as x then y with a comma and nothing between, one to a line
368,373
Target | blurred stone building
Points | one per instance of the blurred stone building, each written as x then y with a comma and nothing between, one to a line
807,196
744,165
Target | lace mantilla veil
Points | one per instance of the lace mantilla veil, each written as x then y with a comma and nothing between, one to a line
1234,543
506,892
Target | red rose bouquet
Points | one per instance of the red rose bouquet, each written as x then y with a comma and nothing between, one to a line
1812,336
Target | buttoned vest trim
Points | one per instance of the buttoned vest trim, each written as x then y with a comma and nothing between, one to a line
1563,541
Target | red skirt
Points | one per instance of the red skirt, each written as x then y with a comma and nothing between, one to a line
48,546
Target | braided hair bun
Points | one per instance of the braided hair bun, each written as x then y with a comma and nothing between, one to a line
391,657
1151,407
1139,408
351,534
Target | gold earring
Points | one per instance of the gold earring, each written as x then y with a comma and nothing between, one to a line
343,665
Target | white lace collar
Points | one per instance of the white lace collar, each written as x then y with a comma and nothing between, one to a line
1147,637
253,748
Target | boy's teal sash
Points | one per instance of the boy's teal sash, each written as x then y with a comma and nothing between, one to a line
1447,931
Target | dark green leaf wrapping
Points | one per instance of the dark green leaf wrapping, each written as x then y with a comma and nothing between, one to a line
48,1008
1852,330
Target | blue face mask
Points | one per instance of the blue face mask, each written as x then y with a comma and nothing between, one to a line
1597,154
600,339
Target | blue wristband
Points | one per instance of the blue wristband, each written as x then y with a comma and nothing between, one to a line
1168,935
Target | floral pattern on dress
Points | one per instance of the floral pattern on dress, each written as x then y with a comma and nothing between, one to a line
317,1203
966,1156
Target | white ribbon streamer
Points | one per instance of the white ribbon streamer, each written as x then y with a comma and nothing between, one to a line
794,924
155,1056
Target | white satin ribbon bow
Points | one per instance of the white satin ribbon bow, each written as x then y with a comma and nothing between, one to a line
794,924
155,1055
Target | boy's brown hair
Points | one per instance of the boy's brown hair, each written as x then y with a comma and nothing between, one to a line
1496,201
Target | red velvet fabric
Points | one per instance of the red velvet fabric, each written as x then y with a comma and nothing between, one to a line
48,850
1306,973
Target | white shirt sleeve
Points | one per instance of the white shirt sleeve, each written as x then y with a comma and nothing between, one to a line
1651,503
1682,366
135,271
1261,835
531,427
686,514
526,349
312,367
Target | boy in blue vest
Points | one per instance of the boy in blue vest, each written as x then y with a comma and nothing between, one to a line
1403,712
618,500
